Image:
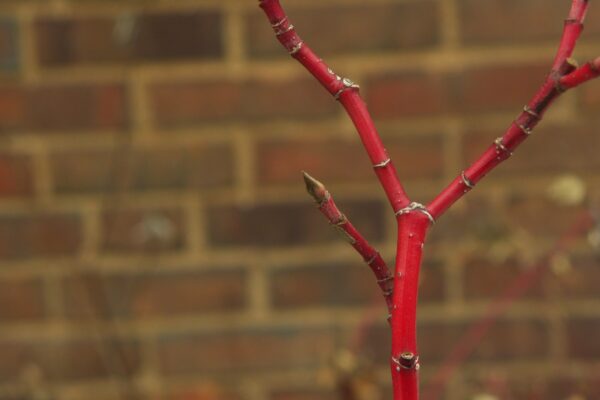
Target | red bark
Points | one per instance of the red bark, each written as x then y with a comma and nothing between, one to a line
344,90
562,76
329,209
412,228
414,219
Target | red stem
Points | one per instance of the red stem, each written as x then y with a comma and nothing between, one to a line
571,32
329,209
346,92
588,71
522,127
412,229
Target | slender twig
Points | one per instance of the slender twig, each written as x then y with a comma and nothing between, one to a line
344,90
515,290
336,218
588,71
558,80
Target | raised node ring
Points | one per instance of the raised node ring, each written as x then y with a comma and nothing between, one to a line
414,206
341,222
526,130
529,111
383,163
348,84
279,32
466,181
406,361
279,23
296,48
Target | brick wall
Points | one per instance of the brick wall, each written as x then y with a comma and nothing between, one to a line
156,241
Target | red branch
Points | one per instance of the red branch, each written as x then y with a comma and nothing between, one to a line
503,147
329,209
590,70
344,90
414,219
412,229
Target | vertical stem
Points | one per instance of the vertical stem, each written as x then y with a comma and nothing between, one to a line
412,229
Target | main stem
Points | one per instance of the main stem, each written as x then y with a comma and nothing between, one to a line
412,229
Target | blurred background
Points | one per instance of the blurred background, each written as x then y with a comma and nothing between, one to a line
156,241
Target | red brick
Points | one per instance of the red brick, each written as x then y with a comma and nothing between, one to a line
416,157
479,89
13,108
484,22
291,224
75,107
535,384
581,334
406,95
64,361
479,219
495,88
16,176
589,97
488,280
21,299
512,21
65,41
582,280
542,216
154,295
39,235
98,171
549,151
131,230
323,286
432,281
204,392
245,350
499,382
177,104
352,28
507,340
564,386
334,285
9,38
304,394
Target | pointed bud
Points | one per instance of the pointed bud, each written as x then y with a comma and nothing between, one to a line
315,188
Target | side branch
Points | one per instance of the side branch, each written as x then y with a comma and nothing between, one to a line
563,76
344,90
571,32
336,218
588,71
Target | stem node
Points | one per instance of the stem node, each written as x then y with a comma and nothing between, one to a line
406,360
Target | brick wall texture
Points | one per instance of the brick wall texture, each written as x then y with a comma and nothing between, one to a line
156,241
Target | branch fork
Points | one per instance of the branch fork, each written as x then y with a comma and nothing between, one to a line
414,219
